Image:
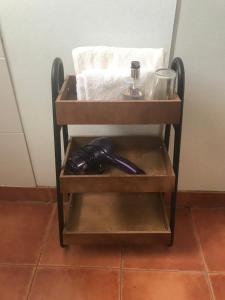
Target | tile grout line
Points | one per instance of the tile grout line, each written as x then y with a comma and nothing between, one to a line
41,252
163,270
206,273
210,286
22,265
121,273
30,282
118,268
121,284
217,272
71,266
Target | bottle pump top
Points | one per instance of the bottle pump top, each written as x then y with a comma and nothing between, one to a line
135,69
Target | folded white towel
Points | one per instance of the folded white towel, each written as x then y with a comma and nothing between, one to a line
101,71
103,57
98,84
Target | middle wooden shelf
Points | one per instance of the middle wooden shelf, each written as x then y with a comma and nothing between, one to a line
147,152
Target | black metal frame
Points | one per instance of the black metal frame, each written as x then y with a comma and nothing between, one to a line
57,79
178,66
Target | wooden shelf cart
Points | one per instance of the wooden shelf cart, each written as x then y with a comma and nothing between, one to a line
115,207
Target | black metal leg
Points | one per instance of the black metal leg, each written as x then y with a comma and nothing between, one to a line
57,78
65,137
178,66
176,159
60,211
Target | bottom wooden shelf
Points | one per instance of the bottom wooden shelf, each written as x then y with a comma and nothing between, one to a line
116,218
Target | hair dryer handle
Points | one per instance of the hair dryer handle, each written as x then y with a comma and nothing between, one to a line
124,164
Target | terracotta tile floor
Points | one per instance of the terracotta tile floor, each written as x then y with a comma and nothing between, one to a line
33,266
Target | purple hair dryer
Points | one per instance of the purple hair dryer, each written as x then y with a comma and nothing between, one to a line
94,156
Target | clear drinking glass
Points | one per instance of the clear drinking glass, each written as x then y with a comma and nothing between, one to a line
163,85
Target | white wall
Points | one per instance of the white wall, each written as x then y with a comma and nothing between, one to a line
15,165
201,43
37,31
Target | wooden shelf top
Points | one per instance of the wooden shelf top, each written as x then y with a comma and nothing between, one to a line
93,217
71,111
